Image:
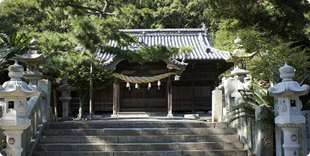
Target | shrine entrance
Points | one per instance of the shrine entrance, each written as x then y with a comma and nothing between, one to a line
143,99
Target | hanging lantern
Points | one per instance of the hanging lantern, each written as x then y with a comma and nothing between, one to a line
158,84
149,86
176,78
127,84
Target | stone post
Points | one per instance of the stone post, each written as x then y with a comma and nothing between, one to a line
264,140
14,119
45,87
217,105
65,89
289,105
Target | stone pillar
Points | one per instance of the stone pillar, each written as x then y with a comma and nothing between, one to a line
289,105
65,89
306,132
264,140
278,131
45,87
217,105
14,119
116,99
169,91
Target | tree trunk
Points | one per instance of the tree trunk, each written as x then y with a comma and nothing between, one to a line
81,105
91,92
55,105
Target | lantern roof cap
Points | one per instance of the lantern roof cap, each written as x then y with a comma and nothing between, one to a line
16,87
287,72
288,87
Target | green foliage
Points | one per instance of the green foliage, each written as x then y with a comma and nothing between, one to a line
78,70
278,17
225,36
93,24
55,44
77,67
24,15
7,26
165,14
271,52
81,78
306,98
16,40
148,54
8,48
274,30
255,96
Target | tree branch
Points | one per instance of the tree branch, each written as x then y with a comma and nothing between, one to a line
89,8
105,8
304,8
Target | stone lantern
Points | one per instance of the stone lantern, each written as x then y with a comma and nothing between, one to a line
14,119
65,89
289,106
33,61
238,56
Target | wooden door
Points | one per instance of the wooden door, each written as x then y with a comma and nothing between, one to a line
143,99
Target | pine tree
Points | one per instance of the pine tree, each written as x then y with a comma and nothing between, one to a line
274,30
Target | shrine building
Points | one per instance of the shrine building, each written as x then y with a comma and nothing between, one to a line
182,84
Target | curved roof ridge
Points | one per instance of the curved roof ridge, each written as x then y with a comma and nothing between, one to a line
197,38
164,30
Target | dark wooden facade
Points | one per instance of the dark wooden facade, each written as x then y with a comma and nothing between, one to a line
191,93
199,73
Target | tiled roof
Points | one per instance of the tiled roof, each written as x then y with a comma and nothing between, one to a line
203,48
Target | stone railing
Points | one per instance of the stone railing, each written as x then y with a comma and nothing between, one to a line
39,111
31,134
256,136
1,131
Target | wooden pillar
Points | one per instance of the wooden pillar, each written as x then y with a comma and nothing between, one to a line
169,91
193,90
55,105
193,96
218,66
116,98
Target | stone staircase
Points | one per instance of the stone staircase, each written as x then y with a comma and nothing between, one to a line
123,137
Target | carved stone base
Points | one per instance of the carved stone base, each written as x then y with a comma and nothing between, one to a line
191,116
170,116
114,116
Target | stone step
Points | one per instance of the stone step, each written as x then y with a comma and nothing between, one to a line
110,147
140,131
145,153
140,114
140,139
138,124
